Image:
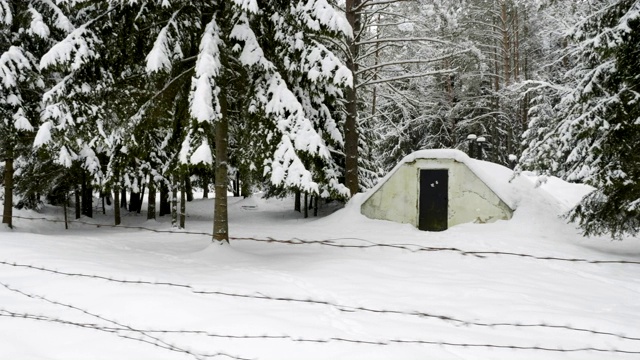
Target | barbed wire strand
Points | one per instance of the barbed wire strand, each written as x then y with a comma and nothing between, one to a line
340,307
332,243
153,340
6,313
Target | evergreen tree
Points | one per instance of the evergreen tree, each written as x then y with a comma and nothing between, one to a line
220,63
26,28
594,135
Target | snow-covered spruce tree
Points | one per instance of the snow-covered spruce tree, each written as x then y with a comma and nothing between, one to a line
595,136
25,30
262,62
275,50
105,116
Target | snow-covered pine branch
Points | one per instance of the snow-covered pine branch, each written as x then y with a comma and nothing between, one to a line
205,105
77,49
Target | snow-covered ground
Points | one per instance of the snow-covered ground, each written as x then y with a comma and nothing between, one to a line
372,289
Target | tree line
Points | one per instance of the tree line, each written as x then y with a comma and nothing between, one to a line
315,97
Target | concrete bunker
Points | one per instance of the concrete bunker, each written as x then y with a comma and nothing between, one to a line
436,189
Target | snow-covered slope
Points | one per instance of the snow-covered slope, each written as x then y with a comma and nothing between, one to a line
365,289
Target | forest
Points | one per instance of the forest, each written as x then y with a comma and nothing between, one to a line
318,98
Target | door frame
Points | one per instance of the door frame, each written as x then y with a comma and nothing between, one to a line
419,181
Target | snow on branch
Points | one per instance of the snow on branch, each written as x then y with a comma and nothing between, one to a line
252,54
250,6
43,136
204,96
12,62
322,64
410,76
319,12
405,39
37,25
409,61
6,16
76,50
298,134
20,121
159,58
62,21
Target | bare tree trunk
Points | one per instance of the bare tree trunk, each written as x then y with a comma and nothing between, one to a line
375,74
306,205
64,205
220,218
151,205
315,205
134,200
116,203
205,187
174,201
496,65
165,207
123,198
187,186
7,213
351,122
183,203
245,185
144,187
506,52
87,196
296,201
236,185
516,45
78,209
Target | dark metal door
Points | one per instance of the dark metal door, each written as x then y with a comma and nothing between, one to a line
434,200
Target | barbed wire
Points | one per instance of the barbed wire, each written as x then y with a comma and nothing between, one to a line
340,307
150,339
333,242
387,342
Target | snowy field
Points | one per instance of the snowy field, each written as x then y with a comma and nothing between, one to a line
367,290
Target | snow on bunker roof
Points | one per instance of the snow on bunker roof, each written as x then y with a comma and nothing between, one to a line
495,176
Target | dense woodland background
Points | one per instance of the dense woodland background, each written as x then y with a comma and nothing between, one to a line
316,98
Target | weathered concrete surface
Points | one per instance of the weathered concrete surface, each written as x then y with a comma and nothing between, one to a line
470,199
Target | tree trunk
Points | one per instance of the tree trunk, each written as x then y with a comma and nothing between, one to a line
151,205
351,122
496,65
506,51
220,218
306,205
236,185
205,187
315,205
78,209
64,206
123,198
183,203
188,188
7,213
516,45
116,204
245,188
296,201
140,199
165,207
134,201
174,201
87,196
